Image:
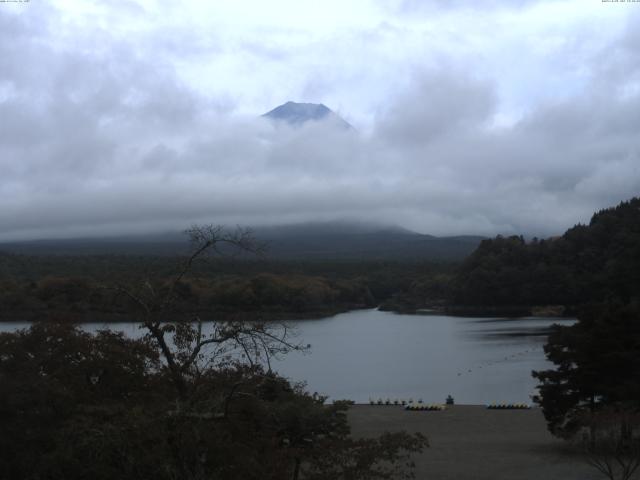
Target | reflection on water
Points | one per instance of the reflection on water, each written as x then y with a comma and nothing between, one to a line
370,354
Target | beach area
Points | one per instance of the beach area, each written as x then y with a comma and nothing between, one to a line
471,442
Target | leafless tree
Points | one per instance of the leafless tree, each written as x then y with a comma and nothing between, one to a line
611,442
187,349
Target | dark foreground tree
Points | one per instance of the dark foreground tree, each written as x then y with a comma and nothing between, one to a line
597,365
188,400
593,395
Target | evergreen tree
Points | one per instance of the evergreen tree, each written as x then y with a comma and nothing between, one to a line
597,364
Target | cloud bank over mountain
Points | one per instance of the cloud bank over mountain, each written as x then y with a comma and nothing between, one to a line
109,125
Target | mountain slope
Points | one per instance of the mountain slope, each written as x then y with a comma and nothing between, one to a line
311,241
297,114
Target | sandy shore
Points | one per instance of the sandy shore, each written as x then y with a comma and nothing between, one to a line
471,442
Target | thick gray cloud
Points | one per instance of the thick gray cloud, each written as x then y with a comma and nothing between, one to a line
437,104
105,129
412,7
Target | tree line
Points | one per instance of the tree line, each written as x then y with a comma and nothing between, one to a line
268,295
71,287
185,401
588,263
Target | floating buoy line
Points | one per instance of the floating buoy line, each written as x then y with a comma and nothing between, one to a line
502,360
410,404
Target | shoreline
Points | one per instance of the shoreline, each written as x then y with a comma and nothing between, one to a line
268,316
480,311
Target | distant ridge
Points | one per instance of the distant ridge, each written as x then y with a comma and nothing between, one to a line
297,114
306,241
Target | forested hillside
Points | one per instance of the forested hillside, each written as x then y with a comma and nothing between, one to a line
80,287
588,263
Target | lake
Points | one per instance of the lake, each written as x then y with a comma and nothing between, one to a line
369,354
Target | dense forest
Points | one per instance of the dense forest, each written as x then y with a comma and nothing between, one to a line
300,271
82,287
588,263
592,395
505,275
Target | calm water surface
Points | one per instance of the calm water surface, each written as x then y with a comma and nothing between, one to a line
371,354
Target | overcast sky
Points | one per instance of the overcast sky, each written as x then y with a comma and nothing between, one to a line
478,117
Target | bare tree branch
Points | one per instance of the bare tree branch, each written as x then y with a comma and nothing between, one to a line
188,342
